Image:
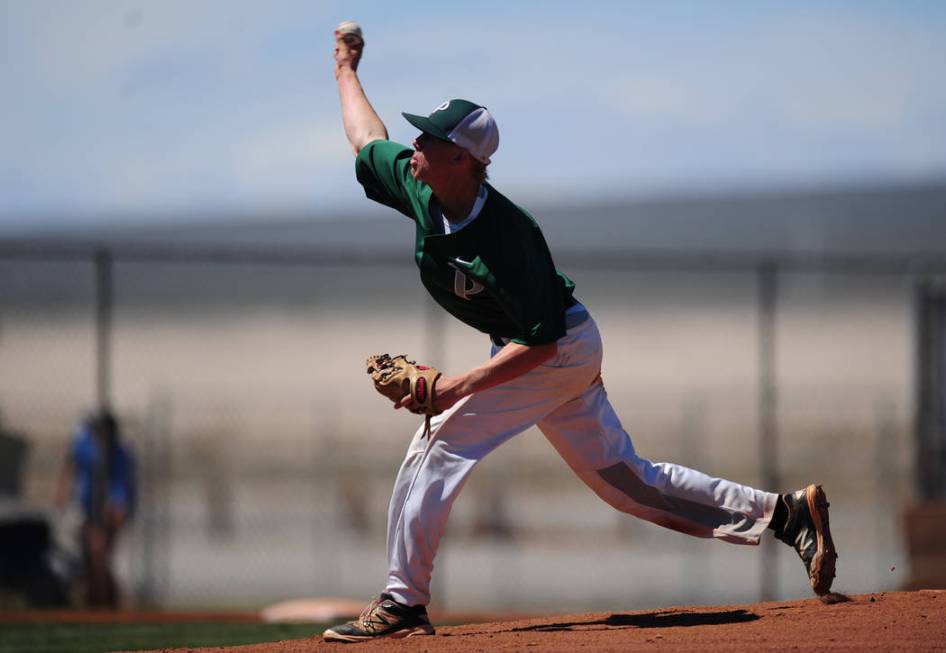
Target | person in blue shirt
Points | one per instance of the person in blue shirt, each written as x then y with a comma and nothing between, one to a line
99,474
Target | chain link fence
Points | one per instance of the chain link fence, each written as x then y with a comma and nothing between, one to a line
265,457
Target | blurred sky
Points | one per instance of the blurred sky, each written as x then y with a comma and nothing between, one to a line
116,111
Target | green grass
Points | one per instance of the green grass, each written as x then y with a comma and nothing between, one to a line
99,638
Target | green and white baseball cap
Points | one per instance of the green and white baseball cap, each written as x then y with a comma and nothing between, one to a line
463,123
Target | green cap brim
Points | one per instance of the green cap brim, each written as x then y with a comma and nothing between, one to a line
427,126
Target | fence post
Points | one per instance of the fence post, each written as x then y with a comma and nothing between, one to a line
768,417
103,328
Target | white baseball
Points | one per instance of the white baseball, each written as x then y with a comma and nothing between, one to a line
350,31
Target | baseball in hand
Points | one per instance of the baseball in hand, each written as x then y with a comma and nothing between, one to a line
350,32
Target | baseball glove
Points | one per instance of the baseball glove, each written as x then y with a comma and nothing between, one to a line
396,377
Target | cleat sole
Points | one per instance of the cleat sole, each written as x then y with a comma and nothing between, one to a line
332,636
823,562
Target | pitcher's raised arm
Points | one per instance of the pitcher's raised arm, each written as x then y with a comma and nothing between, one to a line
362,124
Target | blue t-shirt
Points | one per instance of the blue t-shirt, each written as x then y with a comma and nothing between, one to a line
86,456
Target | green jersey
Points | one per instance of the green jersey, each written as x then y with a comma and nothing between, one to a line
495,274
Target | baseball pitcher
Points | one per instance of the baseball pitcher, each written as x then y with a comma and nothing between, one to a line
484,260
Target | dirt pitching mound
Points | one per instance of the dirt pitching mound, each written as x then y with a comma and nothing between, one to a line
891,621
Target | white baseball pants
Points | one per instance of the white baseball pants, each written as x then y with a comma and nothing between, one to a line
570,406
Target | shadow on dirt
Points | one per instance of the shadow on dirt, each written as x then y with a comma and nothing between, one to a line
834,597
651,620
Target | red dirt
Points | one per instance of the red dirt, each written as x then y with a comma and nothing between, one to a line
891,621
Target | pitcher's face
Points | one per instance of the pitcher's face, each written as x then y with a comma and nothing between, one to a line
435,160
